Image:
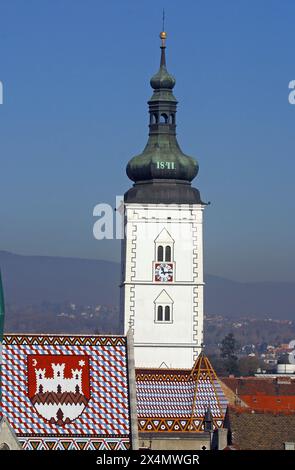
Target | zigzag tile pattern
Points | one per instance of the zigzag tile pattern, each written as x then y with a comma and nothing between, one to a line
75,444
177,400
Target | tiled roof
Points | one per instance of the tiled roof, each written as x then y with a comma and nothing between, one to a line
177,400
264,393
41,420
256,430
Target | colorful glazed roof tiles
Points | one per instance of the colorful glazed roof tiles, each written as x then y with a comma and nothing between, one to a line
39,370
177,400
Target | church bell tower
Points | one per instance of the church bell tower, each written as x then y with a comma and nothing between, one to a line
162,252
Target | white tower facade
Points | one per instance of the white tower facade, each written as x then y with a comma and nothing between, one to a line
163,283
162,252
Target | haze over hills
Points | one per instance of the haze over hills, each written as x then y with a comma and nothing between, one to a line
37,280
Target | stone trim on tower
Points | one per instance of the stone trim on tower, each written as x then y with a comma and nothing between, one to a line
133,252
132,308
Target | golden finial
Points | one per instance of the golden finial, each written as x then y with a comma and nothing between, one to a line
163,34
163,37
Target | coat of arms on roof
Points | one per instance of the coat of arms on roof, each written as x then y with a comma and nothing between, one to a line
59,386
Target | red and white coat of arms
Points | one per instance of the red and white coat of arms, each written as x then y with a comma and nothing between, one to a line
59,386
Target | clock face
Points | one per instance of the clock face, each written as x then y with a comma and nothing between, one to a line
163,272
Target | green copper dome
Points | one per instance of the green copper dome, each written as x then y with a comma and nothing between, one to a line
162,79
162,157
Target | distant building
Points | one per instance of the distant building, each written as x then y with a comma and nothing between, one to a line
286,369
283,358
262,393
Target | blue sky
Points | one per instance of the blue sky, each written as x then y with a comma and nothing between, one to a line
76,82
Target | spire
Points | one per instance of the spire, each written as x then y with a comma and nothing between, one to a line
163,36
162,164
208,420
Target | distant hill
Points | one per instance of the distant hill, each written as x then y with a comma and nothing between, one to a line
37,279
34,280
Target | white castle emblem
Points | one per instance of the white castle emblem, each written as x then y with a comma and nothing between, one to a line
58,384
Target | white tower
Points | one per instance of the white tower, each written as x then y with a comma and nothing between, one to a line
162,253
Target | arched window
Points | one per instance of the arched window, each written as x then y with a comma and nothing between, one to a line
160,254
163,312
160,313
167,313
168,253
172,118
163,118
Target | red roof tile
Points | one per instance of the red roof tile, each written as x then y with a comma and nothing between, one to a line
264,393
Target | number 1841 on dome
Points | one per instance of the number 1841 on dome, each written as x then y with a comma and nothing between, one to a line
165,165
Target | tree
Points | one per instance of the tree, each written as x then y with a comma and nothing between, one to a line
229,347
248,365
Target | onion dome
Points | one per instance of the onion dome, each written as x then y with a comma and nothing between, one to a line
162,79
162,160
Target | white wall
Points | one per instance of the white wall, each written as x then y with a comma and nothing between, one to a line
175,344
